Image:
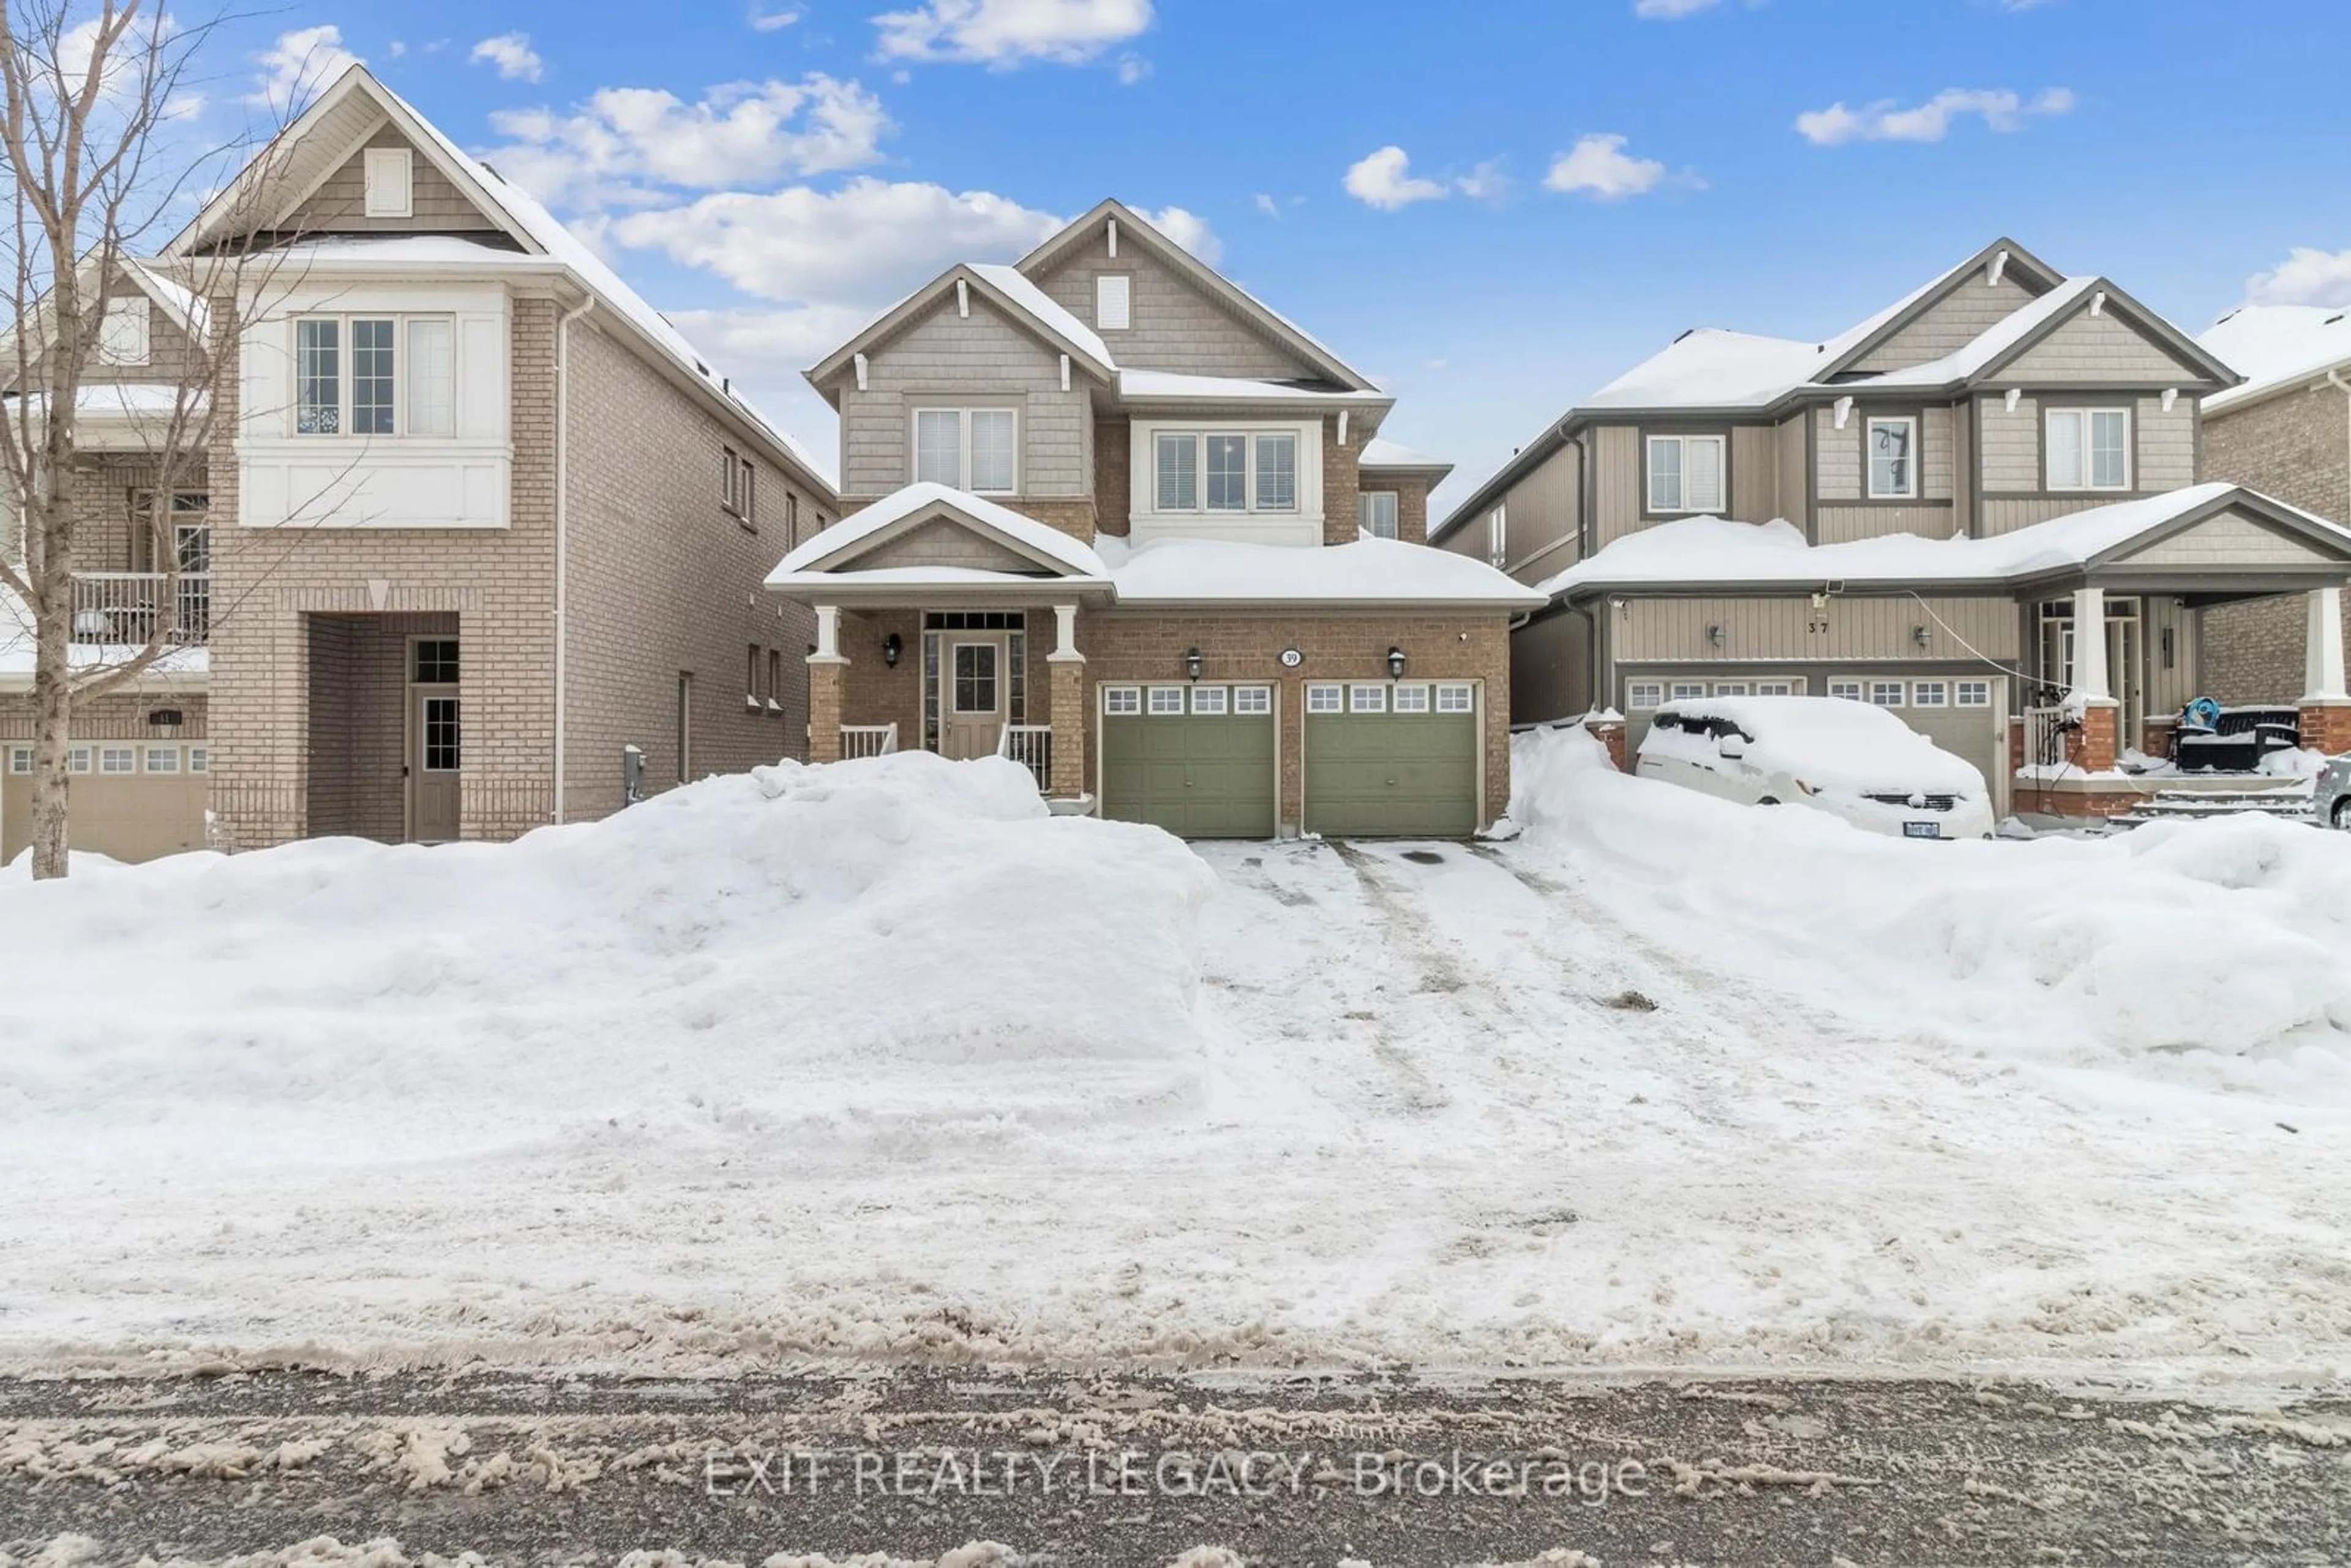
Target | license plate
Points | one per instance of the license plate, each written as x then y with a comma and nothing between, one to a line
1922,830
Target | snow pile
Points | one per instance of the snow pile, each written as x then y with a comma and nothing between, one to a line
2231,937
737,954
1826,742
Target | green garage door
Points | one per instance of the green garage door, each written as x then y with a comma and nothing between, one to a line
1196,760
1392,760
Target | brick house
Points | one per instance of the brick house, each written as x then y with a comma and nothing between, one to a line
1920,512
475,520
1112,516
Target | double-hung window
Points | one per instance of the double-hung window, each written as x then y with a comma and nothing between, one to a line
1893,447
1376,514
974,449
1686,473
375,375
2089,449
1225,471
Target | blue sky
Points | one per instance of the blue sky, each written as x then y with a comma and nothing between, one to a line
1494,205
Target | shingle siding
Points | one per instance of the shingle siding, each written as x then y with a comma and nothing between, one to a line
2102,349
1175,326
1971,308
436,207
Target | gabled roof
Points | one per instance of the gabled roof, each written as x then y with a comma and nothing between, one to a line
1007,289
1053,553
1133,227
338,121
2277,348
1857,343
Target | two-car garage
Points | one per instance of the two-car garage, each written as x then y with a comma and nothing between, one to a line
1375,758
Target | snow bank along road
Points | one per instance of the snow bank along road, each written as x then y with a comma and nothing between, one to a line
878,1061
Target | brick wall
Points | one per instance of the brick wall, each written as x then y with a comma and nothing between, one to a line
1339,485
2295,448
358,721
119,715
1113,476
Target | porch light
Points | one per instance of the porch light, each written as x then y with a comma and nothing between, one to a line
1396,664
1713,635
1192,662
168,719
891,649
1919,635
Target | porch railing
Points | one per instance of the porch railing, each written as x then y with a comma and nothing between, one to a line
125,608
2044,736
867,741
1031,745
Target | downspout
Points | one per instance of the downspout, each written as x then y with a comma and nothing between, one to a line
563,528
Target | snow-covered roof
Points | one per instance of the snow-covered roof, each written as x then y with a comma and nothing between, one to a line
1173,386
1990,346
1367,571
1700,550
1381,453
842,536
2275,345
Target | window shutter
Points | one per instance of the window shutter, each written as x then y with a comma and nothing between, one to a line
1112,302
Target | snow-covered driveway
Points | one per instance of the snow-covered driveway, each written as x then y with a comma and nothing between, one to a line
878,1061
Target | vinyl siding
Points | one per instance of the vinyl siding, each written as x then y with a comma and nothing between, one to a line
1971,310
2170,690
1793,503
1616,495
1843,453
339,206
1550,675
2006,514
1754,472
1841,525
1543,511
2101,350
2228,539
984,360
1840,454
1653,629
1174,326
1935,460
2167,445
941,543
2012,446
1963,471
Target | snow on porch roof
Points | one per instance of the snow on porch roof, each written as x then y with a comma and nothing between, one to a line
1365,571
796,569
1701,550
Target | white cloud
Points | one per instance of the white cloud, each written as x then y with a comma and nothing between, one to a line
2001,110
1486,183
1670,10
774,21
1132,68
1385,180
1003,34
1267,205
512,54
2306,276
1598,166
298,65
623,137
862,246
1188,229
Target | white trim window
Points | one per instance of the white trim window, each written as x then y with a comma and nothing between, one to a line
1891,444
389,175
1846,690
1119,701
1233,472
1367,699
117,760
1642,696
1412,697
199,759
1497,536
1166,701
1455,697
1930,693
1975,693
1252,699
2089,448
971,449
1686,691
1686,473
1730,688
20,760
162,759
1886,694
1211,700
123,332
1376,514
78,759
350,373
1324,698
1785,688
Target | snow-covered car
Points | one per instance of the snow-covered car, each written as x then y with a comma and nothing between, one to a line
1860,762
2330,794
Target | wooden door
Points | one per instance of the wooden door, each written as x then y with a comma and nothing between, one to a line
973,708
435,753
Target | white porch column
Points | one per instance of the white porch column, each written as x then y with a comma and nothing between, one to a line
828,635
2322,648
1065,627
2090,680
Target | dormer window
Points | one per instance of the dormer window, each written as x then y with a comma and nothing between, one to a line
390,177
1112,301
1893,447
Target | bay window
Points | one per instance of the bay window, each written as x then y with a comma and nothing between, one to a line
2089,449
1686,473
1893,445
1225,471
375,375
973,449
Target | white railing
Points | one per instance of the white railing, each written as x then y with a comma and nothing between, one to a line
867,741
2044,736
124,608
1031,745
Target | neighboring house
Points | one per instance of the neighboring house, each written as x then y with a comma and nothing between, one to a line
2286,431
1927,505
475,521
1117,519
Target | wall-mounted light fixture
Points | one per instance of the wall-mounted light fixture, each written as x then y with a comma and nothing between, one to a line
1919,635
1713,635
1192,662
1396,664
891,649
169,719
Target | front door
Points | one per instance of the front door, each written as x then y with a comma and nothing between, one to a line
976,696
435,741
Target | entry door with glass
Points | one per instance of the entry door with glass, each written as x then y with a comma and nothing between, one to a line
974,696
435,741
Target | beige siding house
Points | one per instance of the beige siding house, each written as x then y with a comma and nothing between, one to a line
479,538
1112,517
1918,512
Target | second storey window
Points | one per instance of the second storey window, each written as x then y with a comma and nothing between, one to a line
1893,459
375,375
737,483
1686,473
973,449
1221,471
2089,449
1376,514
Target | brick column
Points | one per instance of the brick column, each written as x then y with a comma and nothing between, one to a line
1608,729
825,670
1069,680
2098,743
